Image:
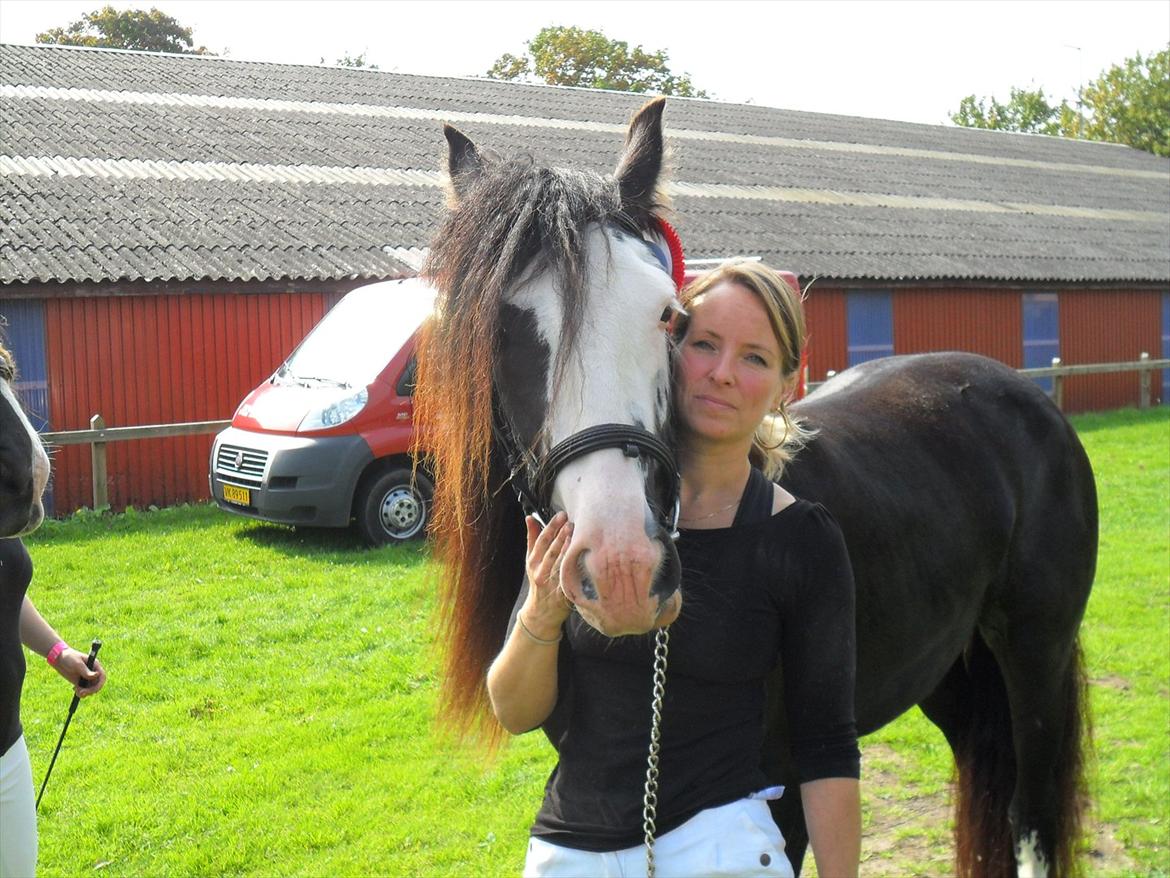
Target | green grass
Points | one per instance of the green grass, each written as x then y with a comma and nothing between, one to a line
268,709
271,694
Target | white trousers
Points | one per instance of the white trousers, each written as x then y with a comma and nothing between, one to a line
736,839
18,815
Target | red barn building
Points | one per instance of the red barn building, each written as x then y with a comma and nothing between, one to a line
174,224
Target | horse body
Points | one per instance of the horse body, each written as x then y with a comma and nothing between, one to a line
966,501
969,509
24,466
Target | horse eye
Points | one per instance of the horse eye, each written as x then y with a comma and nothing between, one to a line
666,312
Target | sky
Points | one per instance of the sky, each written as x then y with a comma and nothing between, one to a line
909,60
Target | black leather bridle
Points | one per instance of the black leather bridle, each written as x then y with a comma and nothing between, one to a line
533,479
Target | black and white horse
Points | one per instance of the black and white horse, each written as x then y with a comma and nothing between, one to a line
966,500
24,466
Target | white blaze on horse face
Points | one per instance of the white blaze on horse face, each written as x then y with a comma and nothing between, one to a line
1030,862
618,374
40,461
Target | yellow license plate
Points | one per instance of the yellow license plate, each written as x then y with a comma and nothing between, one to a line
239,496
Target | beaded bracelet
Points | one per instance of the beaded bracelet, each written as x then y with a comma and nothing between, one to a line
55,653
536,639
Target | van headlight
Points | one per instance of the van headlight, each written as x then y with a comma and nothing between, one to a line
337,412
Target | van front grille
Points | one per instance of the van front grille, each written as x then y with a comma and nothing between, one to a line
233,461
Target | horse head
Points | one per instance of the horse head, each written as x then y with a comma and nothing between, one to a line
551,323
24,466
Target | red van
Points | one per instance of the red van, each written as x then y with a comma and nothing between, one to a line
325,441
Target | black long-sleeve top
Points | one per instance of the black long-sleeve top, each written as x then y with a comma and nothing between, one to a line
15,575
776,591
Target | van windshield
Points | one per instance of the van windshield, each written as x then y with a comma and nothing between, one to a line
361,334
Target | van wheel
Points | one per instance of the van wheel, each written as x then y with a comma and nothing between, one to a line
394,507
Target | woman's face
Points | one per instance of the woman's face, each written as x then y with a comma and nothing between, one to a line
728,367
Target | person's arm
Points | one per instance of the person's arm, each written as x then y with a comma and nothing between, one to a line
522,681
832,813
819,663
39,636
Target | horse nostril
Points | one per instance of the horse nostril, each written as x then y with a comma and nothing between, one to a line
588,589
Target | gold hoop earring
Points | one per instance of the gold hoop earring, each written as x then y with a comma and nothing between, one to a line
781,413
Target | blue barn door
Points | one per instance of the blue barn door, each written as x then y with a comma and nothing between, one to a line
1041,333
1166,347
869,320
22,327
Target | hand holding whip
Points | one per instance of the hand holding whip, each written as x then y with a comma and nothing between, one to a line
89,661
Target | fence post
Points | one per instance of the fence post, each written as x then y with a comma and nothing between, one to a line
1145,377
101,490
1057,385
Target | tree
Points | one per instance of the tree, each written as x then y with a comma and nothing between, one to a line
133,29
1027,111
1128,103
348,60
589,59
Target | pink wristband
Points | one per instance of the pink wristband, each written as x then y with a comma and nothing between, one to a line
55,653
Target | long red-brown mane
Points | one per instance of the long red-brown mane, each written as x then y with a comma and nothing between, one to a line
515,217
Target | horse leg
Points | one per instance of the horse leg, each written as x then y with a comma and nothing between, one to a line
1046,688
1031,624
970,707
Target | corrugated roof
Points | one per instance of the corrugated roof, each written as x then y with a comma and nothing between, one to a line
125,165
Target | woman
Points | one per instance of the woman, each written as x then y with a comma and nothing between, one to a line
766,579
20,623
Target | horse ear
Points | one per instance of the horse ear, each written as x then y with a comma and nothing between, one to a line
463,160
641,164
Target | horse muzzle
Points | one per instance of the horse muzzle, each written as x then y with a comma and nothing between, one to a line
621,590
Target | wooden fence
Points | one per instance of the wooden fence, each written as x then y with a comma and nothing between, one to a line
98,435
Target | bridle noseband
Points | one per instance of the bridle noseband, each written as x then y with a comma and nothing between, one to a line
533,479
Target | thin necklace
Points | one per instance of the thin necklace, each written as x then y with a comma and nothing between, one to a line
733,503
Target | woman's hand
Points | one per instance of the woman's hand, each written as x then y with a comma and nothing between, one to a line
522,681
546,607
70,664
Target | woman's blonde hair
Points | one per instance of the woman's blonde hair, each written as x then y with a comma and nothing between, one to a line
780,434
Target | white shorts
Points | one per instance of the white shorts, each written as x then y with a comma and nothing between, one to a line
18,816
739,838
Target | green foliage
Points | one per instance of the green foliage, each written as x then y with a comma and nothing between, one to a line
1027,111
272,692
1128,103
107,28
348,60
589,59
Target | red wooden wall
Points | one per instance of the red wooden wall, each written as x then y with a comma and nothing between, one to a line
1108,326
984,322
159,359
824,313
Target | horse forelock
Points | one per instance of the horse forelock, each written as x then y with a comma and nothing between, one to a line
7,365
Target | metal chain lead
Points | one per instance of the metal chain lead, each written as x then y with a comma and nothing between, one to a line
650,795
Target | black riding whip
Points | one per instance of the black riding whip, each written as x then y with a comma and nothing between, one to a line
93,651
